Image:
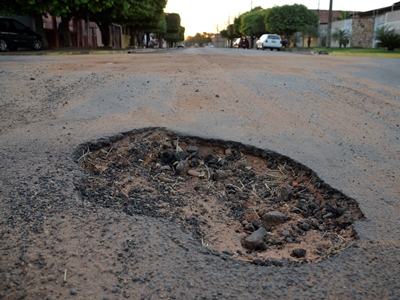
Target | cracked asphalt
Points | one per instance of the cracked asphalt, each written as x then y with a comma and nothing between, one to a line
339,116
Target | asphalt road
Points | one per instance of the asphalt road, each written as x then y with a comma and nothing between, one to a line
339,116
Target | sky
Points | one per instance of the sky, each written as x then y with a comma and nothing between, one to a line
213,16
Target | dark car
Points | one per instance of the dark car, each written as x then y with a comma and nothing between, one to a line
14,35
244,43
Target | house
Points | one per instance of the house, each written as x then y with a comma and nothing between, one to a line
385,16
322,26
119,36
362,25
218,41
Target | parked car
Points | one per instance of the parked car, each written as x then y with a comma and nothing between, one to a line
14,35
236,43
244,43
181,45
285,43
269,41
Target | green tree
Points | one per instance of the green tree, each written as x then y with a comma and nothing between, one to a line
342,36
181,34
288,19
310,31
142,17
252,23
172,34
237,26
79,9
229,34
387,38
295,38
161,30
200,39
344,15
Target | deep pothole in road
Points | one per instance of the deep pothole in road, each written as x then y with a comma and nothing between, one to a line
255,205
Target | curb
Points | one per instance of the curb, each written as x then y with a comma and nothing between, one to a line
77,51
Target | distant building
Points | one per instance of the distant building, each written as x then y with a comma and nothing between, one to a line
218,41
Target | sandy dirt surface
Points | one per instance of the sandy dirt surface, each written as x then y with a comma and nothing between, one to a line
338,116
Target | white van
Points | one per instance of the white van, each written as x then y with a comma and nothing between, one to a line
269,41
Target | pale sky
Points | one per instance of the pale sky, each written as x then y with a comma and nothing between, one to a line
206,15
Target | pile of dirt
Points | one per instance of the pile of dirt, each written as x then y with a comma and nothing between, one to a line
252,204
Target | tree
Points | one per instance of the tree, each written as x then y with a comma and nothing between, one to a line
78,9
387,38
172,34
310,31
342,36
228,34
160,30
142,16
296,37
237,26
252,23
200,39
344,15
288,19
181,34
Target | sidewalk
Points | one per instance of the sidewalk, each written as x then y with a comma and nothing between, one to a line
78,51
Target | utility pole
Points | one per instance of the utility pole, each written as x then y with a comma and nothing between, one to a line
329,33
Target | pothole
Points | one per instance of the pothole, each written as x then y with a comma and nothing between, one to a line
252,204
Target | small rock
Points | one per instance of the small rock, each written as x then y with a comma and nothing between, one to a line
249,227
167,157
192,149
219,175
256,239
193,173
228,151
274,218
286,193
299,253
258,223
182,167
72,292
266,194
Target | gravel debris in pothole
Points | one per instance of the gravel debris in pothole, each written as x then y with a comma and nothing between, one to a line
251,204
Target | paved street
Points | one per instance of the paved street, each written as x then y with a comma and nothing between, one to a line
339,116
